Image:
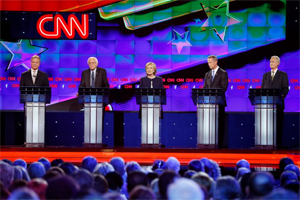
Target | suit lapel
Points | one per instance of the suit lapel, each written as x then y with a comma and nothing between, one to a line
88,78
30,77
97,78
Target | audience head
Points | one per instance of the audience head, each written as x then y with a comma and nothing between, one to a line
184,188
293,168
159,164
50,175
284,162
159,171
23,193
142,192
39,186
4,193
25,175
36,170
205,182
56,162
227,188
287,176
132,166
244,183
17,172
103,168
113,196
6,174
261,184
115,181
196,165
293,186
57,169
62,187
100,184
68,168
45,162
242,163
155,188
207,165
8,162
282,193
118,164
20,162
136,178
17,184
216,171
189,174
89,163
165,180
241,171
151,176
84,179
173,164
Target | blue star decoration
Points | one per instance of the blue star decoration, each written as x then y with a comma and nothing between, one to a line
197,20
180,40
21,52
218,19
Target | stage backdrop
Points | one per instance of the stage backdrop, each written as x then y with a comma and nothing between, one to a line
124,35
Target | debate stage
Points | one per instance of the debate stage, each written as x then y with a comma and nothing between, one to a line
146,156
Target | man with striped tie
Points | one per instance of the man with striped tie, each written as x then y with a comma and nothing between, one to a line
277,79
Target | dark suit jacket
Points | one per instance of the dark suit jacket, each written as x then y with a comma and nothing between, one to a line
280,81
220,80
40,80
145,82
101,78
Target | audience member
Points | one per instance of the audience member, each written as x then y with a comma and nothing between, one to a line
36,170
227,187
184,188
142,192
89,163
39,186
103,168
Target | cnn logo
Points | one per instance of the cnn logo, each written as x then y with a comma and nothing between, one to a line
60,25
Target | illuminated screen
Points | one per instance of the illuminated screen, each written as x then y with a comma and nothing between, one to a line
177,36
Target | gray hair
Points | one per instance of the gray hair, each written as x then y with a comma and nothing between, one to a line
277,58
103,168
92,58
173,164
184,188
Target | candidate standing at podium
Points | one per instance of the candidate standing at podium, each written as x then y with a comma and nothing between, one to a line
34,76
217,78
277,79
94,76
151,80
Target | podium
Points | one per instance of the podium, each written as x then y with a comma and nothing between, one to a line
35,99
93,100
208,103
150,100
266,102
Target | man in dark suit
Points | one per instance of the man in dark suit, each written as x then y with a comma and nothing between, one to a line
34,76
94,76
276,79
217,78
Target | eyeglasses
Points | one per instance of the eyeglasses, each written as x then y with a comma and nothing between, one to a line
92,62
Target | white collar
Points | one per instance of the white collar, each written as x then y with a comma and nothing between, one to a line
274,71
95,70
215,69
37,70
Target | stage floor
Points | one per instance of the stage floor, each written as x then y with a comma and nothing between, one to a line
146,156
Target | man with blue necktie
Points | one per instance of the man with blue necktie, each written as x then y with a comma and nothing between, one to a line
217,78
94,76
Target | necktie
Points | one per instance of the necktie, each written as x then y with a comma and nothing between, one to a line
272,75
213,76
93,79
34,76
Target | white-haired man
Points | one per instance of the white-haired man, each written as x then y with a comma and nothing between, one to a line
94,76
